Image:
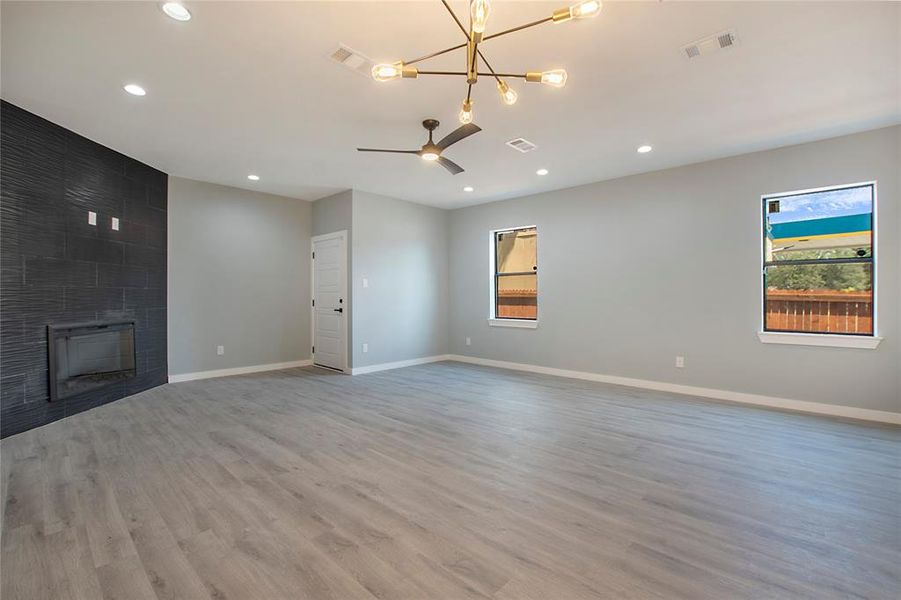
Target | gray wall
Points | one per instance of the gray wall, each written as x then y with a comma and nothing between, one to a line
331,214
239,276
634,271
402,249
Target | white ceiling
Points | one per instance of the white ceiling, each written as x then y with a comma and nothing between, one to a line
246,87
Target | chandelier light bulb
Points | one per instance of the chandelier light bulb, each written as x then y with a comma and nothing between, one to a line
508,94
387,71
555,78
580,10
478,12
583,10
466,112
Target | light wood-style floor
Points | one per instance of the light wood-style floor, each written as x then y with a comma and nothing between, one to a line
446,481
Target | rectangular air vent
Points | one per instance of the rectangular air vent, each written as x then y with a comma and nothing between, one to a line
522,145
353,60
711,43
726,39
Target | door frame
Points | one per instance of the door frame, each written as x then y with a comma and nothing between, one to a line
342,235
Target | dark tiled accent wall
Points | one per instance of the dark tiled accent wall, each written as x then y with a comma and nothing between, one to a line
56,267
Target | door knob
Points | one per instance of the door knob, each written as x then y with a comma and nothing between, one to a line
340,310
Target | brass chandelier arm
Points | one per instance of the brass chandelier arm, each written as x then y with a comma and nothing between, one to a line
478,52
454,15
498,75
490,68
471,67
472,61
515,29
487,37
446,50
463,74
433,54
499,33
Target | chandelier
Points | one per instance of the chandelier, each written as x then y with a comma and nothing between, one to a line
475,37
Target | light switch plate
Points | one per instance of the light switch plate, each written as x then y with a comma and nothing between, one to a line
365,348
220,350
365,283
92,218
115,223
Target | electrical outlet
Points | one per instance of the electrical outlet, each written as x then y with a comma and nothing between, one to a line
365,348
680,362
469,341
220,350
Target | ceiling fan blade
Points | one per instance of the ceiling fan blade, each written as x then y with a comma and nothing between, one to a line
458,134
450,165
384,150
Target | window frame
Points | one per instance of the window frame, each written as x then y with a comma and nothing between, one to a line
493,319
836,339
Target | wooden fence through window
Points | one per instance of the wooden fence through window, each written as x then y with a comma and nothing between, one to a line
517,304
812,311
819,311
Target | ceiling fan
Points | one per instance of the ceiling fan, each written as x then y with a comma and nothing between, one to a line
431,151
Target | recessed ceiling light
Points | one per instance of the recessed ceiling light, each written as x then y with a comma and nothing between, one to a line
541,172
134,89
177,11
644,149
253,177
468,188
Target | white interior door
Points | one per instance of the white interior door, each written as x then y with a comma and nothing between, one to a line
329,300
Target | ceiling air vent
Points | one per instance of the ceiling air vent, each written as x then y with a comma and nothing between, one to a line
712,43
522,145
353,60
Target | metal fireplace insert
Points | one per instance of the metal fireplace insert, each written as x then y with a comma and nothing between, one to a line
86,356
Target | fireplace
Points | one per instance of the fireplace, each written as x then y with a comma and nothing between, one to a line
86,356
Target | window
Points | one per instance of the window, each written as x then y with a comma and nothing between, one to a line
515,294
819,261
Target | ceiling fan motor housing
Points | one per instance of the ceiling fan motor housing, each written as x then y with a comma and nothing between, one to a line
431,151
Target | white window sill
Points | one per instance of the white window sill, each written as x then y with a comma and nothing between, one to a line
521,323
819,339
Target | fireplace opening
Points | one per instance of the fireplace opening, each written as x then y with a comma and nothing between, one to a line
85,356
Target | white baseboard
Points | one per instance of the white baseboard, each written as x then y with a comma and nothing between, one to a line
239,371
849,412
399,364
